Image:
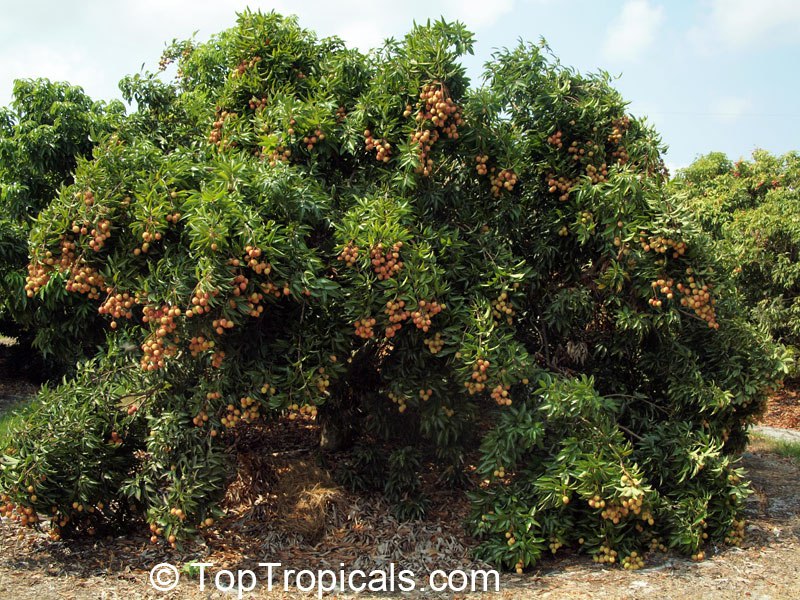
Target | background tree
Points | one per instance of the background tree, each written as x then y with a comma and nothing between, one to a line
43,133
752,210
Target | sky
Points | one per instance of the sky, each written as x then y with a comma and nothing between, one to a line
711,75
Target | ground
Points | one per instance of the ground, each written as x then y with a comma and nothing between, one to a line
783,409
328,526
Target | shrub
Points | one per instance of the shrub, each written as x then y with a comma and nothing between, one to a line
294,228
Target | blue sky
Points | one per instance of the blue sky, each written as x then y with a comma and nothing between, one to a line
710,74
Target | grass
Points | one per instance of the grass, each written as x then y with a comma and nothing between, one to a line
783,448
10,416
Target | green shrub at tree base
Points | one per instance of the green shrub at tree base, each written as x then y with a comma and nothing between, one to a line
292,229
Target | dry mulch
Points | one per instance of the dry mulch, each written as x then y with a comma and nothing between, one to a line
783,408
359,531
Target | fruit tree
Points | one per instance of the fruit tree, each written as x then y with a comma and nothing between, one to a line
47,126
752,210
291,227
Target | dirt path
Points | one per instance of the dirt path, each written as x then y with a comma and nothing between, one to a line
765,567
778,433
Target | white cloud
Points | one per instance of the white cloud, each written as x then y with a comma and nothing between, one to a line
633,31
742,23
745,24
96,45
730,109
69,65
478,14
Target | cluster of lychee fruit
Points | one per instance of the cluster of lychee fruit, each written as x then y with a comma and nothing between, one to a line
619,128
68,248
662,245
505,179
252,258
349,254
589,150
37,278
555,139
555,544
200,302
200,419
386,262
215,137
240,283
437,108
99,234
305,410
425,139
396,313
278,155
633,561
364,327
662,286
503,308
399,400
657,545
199,344
500,394
605,555
273,289
621,154
148,238
434,344
382,148
85,279
322,382
244,65
156,348
560,185
480,164
697,296
698,556
221,325
477,382
510,539
233,414
257,103
426,310
24,515
735,535
312,140
597,174
117,305
436,105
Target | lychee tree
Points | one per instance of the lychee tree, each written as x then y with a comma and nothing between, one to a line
751,209
42,133
293,227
